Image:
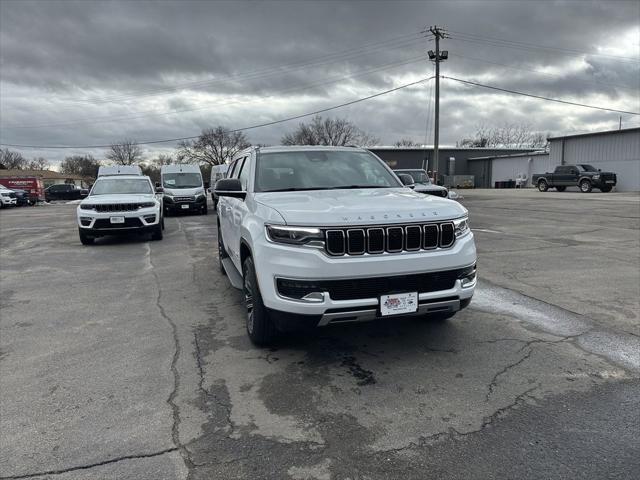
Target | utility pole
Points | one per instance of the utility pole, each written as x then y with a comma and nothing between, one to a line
437,57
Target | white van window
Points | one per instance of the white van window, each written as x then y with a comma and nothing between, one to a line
182,180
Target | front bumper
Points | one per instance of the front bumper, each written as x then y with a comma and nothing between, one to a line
99,223
275,261
173,205
9,201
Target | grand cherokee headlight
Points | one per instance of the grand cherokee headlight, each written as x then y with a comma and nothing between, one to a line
146,204
461,226
293,235
86,206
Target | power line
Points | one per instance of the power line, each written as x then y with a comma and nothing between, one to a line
274,122
152,113
540,96
482,60
495,40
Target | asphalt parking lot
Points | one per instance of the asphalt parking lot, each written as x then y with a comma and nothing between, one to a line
129,360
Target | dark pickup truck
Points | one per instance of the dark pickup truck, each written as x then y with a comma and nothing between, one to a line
585,177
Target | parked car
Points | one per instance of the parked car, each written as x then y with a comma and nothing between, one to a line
218,172
32,185
184,190
7,197
321,235
120,204
22,197
64,191
583,176
423,183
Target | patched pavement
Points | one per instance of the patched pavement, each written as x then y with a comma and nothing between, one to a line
129,359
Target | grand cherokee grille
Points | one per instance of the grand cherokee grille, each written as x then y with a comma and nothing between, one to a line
358,288
119,207
392,239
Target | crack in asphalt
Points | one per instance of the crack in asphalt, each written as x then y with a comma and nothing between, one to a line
91,465
494,380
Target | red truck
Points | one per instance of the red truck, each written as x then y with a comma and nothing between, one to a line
32,185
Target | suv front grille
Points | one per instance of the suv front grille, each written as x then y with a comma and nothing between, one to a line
391,239
359,288
116,207
184,199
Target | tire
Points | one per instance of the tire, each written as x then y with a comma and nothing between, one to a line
260,328
585,186
561,189
204,209
222,252
606,188
85,239
157,232
543,186
162,222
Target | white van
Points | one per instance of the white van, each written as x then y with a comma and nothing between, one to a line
183,189
218,172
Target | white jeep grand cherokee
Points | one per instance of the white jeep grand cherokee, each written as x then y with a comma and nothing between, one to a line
320,235
120,204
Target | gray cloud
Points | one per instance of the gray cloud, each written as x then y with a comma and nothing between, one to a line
241,63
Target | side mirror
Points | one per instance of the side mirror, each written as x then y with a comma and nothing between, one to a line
407,180
229,187
159,190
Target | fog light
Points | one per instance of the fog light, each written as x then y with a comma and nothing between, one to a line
85,221
149,218
468,281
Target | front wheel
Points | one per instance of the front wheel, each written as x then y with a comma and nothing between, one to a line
543,186
222,252
84,238
606,188
561,189
585,186
157,232
204,210
260,328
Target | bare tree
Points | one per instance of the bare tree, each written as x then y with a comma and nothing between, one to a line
127,152
214,146
163,159
508,135
12,160
328,131
83,165
39,163
405,142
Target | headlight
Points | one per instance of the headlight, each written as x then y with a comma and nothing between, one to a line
147,205
596,177
86,206
199,192
293,235
461,226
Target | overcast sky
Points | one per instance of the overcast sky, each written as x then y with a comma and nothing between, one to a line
96,72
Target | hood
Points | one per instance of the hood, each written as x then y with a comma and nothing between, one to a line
182,192
428,187
359,206
118,198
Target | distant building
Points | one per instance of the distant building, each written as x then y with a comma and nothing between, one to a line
617,151
451,160
49,177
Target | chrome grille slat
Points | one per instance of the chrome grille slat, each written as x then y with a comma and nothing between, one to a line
116,207
389,239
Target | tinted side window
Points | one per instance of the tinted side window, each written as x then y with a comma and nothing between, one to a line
232,167
562,170
244,173
238,168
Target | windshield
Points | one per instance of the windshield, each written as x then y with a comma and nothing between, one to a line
108,186
418,175
181,180
321,170
587,168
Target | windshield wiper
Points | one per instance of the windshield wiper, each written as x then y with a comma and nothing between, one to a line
294,189
356,186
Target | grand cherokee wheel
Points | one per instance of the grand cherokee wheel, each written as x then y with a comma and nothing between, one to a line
542,186
259,326
157,233
585,186
84,238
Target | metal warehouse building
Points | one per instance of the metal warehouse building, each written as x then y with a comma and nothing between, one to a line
451,160
616,151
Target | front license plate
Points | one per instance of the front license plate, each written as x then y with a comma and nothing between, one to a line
399,303
117,219
184,207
